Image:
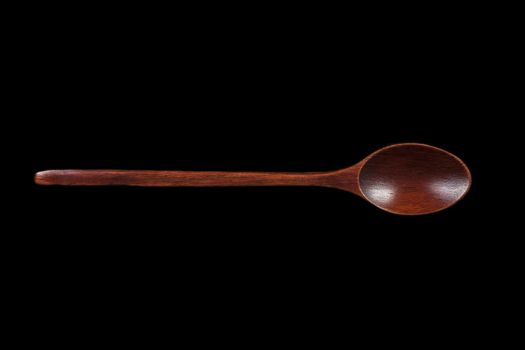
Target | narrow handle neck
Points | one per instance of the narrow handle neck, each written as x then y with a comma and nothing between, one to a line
175,178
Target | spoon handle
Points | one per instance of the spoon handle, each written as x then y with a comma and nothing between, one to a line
175,178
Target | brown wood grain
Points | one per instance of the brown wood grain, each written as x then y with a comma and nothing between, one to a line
408,179
175,178
413,179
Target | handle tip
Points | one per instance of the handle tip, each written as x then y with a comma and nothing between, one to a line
44,177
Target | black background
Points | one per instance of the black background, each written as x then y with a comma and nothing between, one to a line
255,95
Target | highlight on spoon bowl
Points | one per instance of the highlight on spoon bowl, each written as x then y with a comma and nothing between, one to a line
413,179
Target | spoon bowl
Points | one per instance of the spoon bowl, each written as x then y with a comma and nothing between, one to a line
413,179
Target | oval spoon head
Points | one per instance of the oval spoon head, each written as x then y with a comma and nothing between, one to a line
413,179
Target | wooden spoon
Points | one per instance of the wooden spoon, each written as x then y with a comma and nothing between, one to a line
406,179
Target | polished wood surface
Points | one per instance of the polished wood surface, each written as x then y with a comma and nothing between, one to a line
174,178
413,179
407,179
